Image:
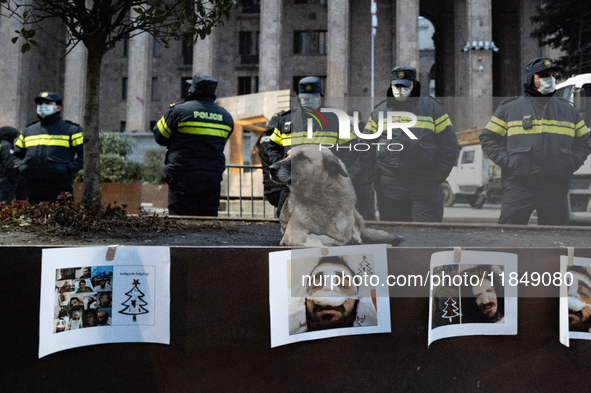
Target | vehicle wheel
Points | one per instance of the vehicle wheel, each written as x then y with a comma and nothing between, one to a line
449,198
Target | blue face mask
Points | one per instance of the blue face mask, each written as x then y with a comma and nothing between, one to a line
44,110
313,102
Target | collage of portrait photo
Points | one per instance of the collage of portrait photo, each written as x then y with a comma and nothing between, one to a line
83,297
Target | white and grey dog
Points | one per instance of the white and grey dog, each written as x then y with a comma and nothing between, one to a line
320,210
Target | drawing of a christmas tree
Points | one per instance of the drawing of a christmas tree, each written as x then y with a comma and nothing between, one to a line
134,304
364,267
451,309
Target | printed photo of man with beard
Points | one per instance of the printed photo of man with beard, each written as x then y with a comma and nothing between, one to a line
483,302
327,306
579,300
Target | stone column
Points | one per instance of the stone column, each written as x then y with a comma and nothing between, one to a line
75,84
473,22
337,69
10,74
407,33
270,45
203,54
138,83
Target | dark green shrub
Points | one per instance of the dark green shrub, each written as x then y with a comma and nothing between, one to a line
115,167
154,166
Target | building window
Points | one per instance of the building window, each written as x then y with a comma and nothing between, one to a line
256,84
251,6
185,86
187,48
125,47
157,47
244,85
154,93
124,88
248,47
122,126
300,1
300,42
321,42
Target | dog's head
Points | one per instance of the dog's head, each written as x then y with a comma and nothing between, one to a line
307,163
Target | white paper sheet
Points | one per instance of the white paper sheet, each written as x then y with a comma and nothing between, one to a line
123,300
288,298
454,310
578,293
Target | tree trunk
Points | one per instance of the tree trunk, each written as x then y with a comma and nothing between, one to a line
92,167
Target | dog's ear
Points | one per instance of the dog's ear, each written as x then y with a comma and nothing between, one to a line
333,166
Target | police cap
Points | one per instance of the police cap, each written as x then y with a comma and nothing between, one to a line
46,95
309,87
538,65
403,75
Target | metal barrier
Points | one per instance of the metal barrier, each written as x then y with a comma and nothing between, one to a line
241,170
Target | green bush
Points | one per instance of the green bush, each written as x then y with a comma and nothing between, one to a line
114,143
154,166
115,167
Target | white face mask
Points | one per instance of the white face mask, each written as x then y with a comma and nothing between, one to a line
44,110
401,93
313,102
547,85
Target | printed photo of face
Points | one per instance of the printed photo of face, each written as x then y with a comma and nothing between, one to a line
486,298
328,308
579,302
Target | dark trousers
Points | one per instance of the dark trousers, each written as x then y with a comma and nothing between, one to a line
283,194
419,201
47,190
549,200
366,200
189,197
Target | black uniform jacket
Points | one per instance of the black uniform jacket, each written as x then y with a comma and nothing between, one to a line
533,137
430,157
50,149
195,133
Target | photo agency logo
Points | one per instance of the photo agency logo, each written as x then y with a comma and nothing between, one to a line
393,120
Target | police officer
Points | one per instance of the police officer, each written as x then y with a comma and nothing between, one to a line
407,176
539,142
272,189
51,151
195,133
292,126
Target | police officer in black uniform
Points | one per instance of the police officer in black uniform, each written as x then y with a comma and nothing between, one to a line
292,126
407,177
272,189
50,150
195,133
539,141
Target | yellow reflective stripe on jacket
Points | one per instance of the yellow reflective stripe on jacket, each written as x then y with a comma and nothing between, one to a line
371,125
77,139
276,137
204,131
581,128
442,123
47,140
301,137
545,126
349,138
20,142
163,128
497,126
205,125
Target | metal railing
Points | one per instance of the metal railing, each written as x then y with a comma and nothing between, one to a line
260,199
